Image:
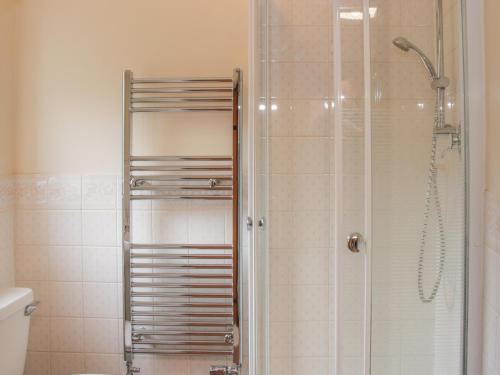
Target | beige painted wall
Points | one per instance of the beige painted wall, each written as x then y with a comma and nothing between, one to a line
71,55
6,87
492,35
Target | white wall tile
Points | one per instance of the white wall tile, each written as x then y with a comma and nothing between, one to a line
310,339
178,366
207,226
99,228
145,363
31,191
280,303
491,321
64,227
31,227
37,363
310,303
109,364
280,12
280,339
141,226
100,264
67,363
315,365
66,299
32,262
64,192
280,366
99,192
171,226
101,336
39,338
100,300
65,263
311,12
279,262
66,335
309,267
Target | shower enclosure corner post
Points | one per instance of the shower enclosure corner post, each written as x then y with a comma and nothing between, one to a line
127,129
475,137
338,185
236,215
368,188
440,64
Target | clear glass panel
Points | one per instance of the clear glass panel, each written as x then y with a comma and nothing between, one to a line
418,222
310,153
300,186
352,180
261,196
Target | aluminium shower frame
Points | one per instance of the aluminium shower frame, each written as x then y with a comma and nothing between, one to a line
474,128
191,320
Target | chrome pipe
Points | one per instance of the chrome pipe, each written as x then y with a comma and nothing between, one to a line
176,90
182,197
137,246
136,284
162,99
181,314
127,140
179,177
179,323
181,295
180,187
168,168
179,304
171,109
179,266
182,80
180,342
154,332
236,214
180,158
182,352
178,256
153,275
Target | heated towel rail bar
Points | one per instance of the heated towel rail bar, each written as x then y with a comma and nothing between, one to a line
181,299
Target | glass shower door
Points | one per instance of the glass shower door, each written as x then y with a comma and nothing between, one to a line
343,141
418,250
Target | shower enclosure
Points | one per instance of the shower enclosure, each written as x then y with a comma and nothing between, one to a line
360,188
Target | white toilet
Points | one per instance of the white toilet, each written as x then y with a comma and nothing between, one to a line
16,305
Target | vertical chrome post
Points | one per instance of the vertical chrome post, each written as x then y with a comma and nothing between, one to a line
441,123
439,38
236,213
127,132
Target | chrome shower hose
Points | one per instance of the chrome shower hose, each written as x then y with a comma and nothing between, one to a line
432,196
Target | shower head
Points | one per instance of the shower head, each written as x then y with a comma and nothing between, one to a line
405,45
402,43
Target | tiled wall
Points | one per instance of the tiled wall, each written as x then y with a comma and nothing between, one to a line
67,233
68,249
6,231
491,321
301,178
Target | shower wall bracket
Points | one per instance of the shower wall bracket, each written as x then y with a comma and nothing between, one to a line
181,298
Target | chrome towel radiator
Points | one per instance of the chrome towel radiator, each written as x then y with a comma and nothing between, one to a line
181,298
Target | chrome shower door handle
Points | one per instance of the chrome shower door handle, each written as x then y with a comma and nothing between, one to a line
354,242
